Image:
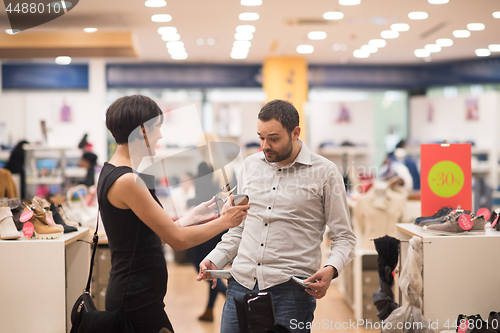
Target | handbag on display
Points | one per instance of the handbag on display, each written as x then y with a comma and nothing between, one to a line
85,318
16,206
76,206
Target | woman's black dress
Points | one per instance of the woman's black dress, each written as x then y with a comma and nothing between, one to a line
147,284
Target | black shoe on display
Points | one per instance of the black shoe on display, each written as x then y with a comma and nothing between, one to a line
59,220
436,218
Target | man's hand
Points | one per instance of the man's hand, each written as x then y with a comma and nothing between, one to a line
320,281
204,265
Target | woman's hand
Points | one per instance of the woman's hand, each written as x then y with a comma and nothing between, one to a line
204,212
236,214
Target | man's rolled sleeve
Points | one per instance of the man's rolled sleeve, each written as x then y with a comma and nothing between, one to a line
338,221
227,248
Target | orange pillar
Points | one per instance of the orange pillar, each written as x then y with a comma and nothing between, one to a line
286,78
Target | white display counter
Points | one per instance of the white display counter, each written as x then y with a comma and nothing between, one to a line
40,281
459,273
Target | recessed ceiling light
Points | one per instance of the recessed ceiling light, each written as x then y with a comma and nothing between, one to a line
239,55
377,43
305,49
483,52
333,16
210,41
175,45
242,44
12,31
339,47
433,48
349,2
444,42
251,2
461,33
170,37
249,16
155,3
438,2
494,47
361,54
90,30
63,60
161,18
317,35
422,53
167,30
200,41
389,34
475,26
496,14
400,27
179,56
243,36
418,15
245,28
369,48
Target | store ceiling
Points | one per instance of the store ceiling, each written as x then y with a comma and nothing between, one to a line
282,26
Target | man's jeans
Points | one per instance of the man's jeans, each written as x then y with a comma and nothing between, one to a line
293,307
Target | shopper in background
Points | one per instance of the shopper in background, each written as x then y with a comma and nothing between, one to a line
207,184
131,211
15,164
294,195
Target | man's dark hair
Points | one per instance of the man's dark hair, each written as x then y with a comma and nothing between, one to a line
129,112
282,111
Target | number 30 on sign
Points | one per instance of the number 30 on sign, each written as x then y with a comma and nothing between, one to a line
446,179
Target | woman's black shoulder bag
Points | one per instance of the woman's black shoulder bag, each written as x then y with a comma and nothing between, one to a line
85,318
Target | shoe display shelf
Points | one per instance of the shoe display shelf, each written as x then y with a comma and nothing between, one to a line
49,165
41,280
458,273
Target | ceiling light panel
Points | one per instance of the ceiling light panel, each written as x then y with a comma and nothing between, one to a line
400,27
251,2
249,16
494,47
245,29
333,16
243,36
155,3
360,54
317,35
369,48
305,49
63,60
496,15
438,2
90,30
461,33
389,34
422,53
475,26
483,52
349,2
161,18
167,30
433,48
170,37
418,15
444,42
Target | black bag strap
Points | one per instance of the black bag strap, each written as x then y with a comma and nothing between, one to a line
95,241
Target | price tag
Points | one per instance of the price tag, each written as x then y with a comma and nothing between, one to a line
485,212
28,229
26,216
464,325
465,222
446,179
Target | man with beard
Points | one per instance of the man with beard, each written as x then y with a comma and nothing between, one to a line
294,195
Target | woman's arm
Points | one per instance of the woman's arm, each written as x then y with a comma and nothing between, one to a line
128,193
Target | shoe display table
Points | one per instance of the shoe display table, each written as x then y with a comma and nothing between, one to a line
40,280
459,274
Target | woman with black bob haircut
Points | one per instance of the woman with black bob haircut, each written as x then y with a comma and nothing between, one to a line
130,210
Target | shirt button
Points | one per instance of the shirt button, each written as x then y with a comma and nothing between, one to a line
261,244
258,264
274,188
279,169
268,207
265,224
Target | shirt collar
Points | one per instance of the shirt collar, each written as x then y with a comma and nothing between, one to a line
304,156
